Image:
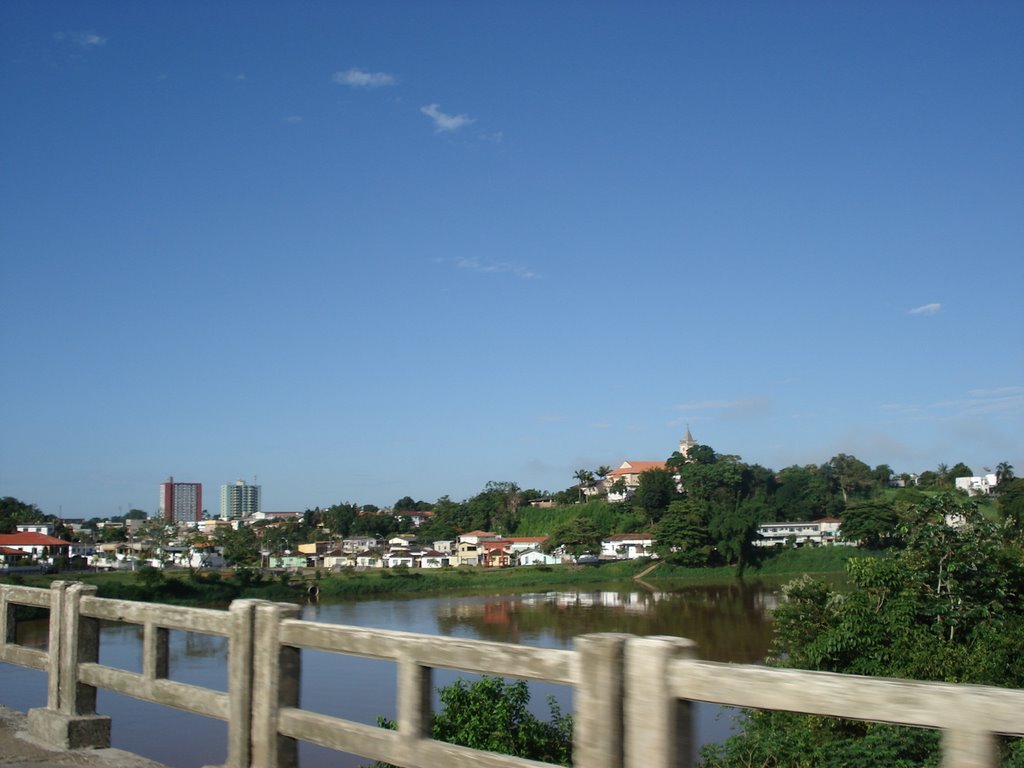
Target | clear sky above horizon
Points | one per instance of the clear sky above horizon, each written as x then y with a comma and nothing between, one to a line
366,250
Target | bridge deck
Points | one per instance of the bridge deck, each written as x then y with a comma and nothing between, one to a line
18,750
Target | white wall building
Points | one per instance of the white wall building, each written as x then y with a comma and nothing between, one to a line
823,531
977,486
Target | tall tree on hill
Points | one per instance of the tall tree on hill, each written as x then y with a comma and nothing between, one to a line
958,470
656,488
882,474
852,475
578,536
1004,473
872,524
504,498
682,536
1011,508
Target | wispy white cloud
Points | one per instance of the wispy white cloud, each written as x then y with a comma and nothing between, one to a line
358,78
978,402
925,309
496,267
702,410
293,119
83,38
444,122
996,392
553,418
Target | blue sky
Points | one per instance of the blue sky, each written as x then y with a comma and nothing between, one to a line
364,250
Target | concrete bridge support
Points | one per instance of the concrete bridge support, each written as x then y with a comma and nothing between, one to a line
69,719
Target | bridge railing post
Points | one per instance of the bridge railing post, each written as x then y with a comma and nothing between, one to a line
69,719
414,706
962,748
276,671
240,682
658,726
597,721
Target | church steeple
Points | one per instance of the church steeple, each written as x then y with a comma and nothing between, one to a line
687,442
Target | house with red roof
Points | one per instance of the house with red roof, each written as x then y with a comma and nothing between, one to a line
629,473
38,546
495,554
469,546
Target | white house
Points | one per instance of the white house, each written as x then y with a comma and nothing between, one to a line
339,559
977,486
822,531
431,558
627,546
369,559
517,544
536,557
356,544
46,529
398,557
40,546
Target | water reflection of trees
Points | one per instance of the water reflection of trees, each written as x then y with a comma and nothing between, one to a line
728,622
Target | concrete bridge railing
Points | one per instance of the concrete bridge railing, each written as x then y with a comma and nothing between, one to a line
631,704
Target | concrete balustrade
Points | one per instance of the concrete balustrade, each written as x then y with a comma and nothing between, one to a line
632,694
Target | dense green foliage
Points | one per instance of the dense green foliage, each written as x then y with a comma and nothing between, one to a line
948,606
493,715
14,512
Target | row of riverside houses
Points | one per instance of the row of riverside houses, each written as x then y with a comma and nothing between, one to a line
34,548
475,548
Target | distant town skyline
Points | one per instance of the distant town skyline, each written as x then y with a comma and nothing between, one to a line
363,251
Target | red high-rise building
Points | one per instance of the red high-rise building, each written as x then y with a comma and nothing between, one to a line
181,502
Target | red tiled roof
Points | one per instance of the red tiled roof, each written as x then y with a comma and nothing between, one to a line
9,551
31,539
479,533
635,468
624,536
526,539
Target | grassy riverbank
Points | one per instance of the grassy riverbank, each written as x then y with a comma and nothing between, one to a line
221,587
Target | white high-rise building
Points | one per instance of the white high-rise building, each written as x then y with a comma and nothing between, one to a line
239,500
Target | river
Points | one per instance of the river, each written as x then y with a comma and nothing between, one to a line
728,622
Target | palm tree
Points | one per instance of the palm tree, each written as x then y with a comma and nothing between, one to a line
585,478
1004,473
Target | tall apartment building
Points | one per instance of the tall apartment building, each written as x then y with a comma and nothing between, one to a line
181,502
239,500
